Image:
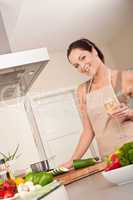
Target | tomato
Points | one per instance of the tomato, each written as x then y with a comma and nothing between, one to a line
6,185
8,193
1,193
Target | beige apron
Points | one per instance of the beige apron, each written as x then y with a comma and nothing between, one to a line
109,134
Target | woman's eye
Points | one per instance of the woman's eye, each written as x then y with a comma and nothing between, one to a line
83,57
76,66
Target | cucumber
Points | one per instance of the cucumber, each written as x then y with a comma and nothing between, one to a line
77,164
59,170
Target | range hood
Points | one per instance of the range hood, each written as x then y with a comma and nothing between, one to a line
19,70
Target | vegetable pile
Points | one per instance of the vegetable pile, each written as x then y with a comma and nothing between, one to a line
121,157
33,180
8,188
41,178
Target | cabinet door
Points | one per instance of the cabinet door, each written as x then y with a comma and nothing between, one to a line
14,130
59,125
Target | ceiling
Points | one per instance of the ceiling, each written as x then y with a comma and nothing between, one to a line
55,23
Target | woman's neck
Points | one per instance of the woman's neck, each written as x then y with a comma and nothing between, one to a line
101,76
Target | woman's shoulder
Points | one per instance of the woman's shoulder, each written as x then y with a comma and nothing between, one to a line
127,80
82,88
82,91
123,78
127,75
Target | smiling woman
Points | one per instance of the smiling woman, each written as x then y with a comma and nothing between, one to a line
102,86
80,57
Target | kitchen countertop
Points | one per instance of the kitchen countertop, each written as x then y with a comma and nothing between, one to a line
95,187
52,191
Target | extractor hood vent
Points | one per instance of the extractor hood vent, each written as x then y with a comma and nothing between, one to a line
19,70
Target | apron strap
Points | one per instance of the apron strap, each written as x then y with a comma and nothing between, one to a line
86,89
88,85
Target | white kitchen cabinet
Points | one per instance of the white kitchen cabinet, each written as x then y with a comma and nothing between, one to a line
18,71
59,125
15,129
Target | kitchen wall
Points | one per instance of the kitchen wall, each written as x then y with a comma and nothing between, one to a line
4,42
60,74
121,48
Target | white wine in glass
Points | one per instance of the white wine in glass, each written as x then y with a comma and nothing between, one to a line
110,105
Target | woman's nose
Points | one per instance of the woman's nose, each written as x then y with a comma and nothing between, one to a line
82,65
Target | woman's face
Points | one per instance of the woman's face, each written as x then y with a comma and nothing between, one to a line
84,61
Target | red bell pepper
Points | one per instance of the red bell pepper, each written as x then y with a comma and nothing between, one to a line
113,165
114,162
114,157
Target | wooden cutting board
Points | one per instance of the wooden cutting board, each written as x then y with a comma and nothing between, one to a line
74,175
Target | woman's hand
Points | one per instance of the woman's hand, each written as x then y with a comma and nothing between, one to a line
122,113
68,164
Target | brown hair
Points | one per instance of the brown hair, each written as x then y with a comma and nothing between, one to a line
84,44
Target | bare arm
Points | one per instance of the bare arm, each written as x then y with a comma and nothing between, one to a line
87,134
129,89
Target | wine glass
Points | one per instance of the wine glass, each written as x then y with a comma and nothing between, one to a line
110,105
